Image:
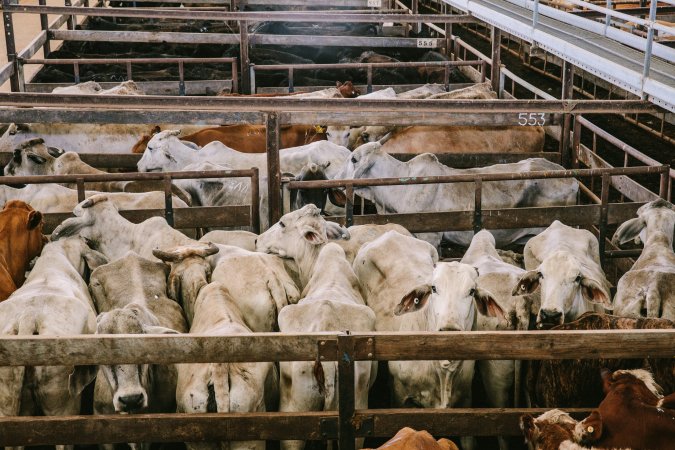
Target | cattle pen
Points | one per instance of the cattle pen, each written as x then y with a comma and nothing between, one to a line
615,180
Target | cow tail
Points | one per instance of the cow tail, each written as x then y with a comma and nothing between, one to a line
220,380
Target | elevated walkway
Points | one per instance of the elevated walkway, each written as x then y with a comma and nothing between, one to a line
617,56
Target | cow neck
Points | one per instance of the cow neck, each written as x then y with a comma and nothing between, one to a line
658,238
306,261
118,244
384,195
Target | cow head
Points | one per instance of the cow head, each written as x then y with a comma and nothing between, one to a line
297,232
654,218
302,197
190,271
139,147
22,231
347,89
364,162
96,209
161,152
547,431
338,135
32,157
129,383
452,299
565,284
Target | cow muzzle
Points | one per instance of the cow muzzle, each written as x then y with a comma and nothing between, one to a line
548,318
132,402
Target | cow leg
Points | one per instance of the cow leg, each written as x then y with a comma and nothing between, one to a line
498,376
299,392
192,396
54,399
247,395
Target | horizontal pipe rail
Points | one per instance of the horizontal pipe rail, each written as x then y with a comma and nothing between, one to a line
127,176
269,67
572,173
35,430
82,61
382,346
278,16
290,104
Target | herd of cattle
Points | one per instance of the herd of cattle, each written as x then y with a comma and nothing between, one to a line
100,273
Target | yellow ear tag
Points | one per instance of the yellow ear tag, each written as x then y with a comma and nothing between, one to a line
319,129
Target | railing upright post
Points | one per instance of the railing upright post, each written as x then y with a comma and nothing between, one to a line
255,200
604,210
44,26
235,77
243,54
10,44
273,167
648,45
168,204
346,398
567,94
349,206
495,63
576,143
478,207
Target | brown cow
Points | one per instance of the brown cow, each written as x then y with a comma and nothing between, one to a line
409,439
346,89
630,415
21,240
576,383
245,138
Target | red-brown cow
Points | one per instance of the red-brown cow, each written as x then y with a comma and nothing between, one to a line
409,439
244,138
630,415
21,240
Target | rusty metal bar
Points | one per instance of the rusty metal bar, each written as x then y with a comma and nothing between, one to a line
567,93
604,209
76,72
235,75
478,206
495,62
369,80
349,206
181,79
255,200
130,176
129,71
576,142
642,170
44,25
273,167
277,16
80,189
168,205
95,61
288,104
346,399
389,65
245,62
10,44
291,81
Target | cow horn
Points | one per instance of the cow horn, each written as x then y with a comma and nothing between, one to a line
179,253
174,132
93,200
385,138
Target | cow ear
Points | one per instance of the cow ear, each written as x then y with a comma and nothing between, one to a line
414,300
335,231
94,259
173,287
156,129
36,158
595,293
528,283
313,236
628,231
80,378
338,84
337,197
55,152
487,305
34,219
589,430
528,427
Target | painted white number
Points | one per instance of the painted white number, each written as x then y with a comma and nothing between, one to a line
531,119
374,3
427,43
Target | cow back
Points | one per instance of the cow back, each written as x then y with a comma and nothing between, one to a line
576,383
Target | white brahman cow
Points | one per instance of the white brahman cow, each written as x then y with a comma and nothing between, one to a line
212,309
331,301
565,263
499,377
54,301
648,288
371,161
98,220
130,295
410,292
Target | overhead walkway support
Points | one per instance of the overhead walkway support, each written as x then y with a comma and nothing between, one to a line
638,65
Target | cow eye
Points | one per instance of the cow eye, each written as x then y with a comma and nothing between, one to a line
282,225
354,161
472,292
434,290
577,279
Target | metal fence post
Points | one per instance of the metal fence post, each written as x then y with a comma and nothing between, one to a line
477,209
604,210
349,206
168,203
44,25
648,45
346,399
243,54
495,63
567,94
255,200
10,44
273,167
